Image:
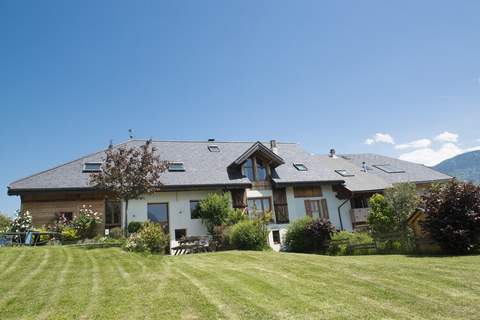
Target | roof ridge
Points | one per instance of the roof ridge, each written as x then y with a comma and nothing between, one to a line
216,141
64,164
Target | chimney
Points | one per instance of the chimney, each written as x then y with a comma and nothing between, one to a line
273,146
332,153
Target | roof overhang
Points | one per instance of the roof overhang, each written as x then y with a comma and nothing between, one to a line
17,192
259,147
307,183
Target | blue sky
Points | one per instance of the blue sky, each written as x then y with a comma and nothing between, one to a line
359,76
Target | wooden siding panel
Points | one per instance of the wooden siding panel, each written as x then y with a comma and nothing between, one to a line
307,192
43,212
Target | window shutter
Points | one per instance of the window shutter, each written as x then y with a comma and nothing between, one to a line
308,208
325,209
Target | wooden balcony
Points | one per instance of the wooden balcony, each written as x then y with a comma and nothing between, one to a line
359,218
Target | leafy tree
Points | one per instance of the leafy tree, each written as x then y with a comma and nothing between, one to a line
453,216
380,218
129,173
389,213
214,210
5,222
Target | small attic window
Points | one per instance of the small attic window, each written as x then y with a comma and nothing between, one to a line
388,168
345,173
213,148
300,167
92,167
176,166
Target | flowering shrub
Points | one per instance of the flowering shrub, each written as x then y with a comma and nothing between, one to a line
86,222
135,243
150,238
60,223
22,222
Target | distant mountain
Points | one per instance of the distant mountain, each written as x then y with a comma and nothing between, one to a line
465,166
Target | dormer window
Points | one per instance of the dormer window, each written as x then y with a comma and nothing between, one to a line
248,169
176,166
344,173
300,167
255,169
213,148
92,167
261,170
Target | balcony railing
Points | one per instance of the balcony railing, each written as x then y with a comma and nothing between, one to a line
359,216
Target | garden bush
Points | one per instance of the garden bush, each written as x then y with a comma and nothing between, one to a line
86,222
117,233
248,235
453,216
235,216
341,241
308,236
134,226
69,234
149,238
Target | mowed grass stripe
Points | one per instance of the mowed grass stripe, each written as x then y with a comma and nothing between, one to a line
73,283
59,285
32,267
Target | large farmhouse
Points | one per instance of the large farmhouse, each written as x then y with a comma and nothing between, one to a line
265,176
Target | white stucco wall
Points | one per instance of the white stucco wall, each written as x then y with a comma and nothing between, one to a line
296,207
178,211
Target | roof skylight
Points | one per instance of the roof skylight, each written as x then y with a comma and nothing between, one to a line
176,166
92,167
213,148
345,173
388,168
300,167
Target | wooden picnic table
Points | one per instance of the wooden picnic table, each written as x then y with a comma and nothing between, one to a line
192,244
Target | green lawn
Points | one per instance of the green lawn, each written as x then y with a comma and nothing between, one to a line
69,283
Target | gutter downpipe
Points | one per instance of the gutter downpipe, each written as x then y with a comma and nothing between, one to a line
340,213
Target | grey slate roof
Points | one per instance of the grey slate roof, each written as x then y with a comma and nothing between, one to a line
205,168
414,172
360,181
202,167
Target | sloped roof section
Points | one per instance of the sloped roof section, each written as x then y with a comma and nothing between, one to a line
358,181
408,171
202,167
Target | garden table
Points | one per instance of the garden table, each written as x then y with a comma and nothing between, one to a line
193,244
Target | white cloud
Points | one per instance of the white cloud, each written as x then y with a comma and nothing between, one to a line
431,157
380,138
447,137
421,143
